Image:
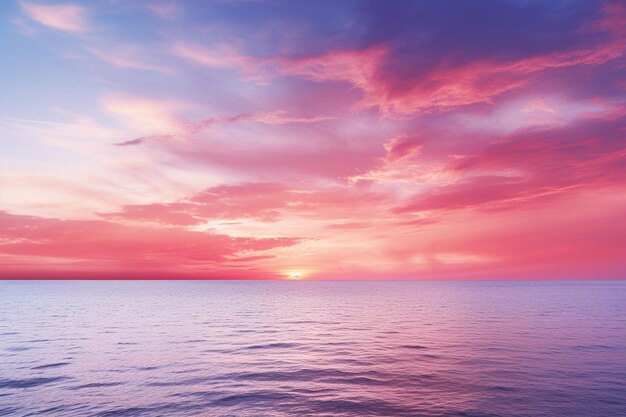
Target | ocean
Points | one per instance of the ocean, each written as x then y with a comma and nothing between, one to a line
312,348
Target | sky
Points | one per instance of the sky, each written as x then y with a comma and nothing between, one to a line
167,139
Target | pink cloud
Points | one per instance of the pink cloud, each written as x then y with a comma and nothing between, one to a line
165,10
146,114
349,225
259,201
317,156
181,129
529,166
221,56
356,67
555,241
613,19
484,192
65,17
104,244
402,146
279,117
136,141
480,82
168,214
585,152
577,236
126,57
444,87
265,202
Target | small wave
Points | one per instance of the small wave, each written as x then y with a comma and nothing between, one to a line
19,349
130,411
359,407
260,331
501,389
148,368
182,382
29,382
184,342
51,365
159,409
254,398
307,375
309,322
413,347
273,346
95,385
8,411
592,347
357,380
55,409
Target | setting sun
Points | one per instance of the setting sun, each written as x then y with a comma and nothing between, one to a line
295,275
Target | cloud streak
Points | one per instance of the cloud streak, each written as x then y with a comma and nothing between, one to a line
64,17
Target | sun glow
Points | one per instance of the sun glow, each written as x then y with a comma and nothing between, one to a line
294,275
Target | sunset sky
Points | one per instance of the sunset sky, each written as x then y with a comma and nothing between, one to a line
313,139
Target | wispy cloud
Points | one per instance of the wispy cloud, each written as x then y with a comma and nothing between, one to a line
64,17
127,58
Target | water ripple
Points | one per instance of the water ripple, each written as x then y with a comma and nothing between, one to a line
345,349
28,382
51,365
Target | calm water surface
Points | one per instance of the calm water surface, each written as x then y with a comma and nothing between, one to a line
313,348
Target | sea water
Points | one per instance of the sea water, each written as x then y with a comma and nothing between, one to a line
343,348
